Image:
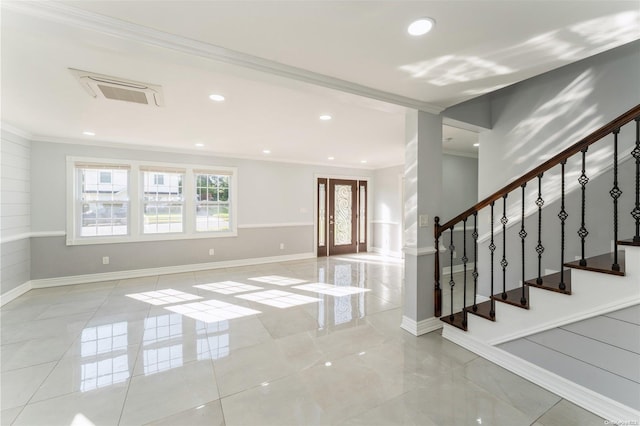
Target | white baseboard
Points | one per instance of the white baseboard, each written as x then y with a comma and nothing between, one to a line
390,253
15,293
136,273
420,327
592,401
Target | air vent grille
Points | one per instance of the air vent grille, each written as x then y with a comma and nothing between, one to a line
119,89
126,95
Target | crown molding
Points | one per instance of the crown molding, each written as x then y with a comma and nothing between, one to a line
57,12
16,131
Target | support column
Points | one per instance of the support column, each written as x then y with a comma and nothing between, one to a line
422,196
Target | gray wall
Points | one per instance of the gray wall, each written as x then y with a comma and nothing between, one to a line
270,194
537,118
459,185
15,211
386,223
601,354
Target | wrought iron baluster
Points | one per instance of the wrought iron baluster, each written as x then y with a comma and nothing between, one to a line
539,247
635,213
437,291
582,232
464,262
563,217
615,194
452,283
504,262
523,235
475,260
492,248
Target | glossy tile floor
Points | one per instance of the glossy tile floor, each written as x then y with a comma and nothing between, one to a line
294,343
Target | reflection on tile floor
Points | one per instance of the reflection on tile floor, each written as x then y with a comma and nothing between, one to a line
278,298
331,289
228,287
328,350
163,297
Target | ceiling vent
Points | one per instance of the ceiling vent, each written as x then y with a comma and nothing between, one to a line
119,89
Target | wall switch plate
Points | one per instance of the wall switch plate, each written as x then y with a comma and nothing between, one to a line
212,252
281,246
423,220
105,260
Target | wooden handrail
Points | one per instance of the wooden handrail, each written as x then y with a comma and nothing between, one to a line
603,131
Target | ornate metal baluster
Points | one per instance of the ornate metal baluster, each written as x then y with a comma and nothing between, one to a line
539,247
452,283
475,260
582,232
635,213
563,217
615,194
523,235
504,262
492,248
464,262
437,292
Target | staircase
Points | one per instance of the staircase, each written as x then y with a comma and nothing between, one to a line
580,289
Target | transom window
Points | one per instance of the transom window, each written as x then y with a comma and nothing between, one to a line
118,201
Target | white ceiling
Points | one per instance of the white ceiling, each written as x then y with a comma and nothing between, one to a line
281,64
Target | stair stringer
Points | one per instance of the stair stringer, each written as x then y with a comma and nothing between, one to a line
592,294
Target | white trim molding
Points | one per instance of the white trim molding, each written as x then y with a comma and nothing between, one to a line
275,225
418,328
419,251
136,273
15,292
27,235
592,401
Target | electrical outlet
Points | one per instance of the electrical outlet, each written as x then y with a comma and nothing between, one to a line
105,260
281,246
212,252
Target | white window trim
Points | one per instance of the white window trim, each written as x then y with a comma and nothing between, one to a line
136,197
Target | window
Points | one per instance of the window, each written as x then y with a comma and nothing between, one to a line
212,205
163,202
121,201
102,203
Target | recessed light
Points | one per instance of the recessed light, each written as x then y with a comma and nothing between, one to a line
325,117
331,158
421,26
476,144
266,151
199,145
328,364
88,133
363,161
216,97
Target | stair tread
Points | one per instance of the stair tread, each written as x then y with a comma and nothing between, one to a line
482,310
629,242
601,263
458,320
513,297
552,282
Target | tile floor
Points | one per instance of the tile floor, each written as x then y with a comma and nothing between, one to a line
256,345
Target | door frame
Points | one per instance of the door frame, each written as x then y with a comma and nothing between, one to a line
317,176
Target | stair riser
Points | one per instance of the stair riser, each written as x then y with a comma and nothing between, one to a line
593,294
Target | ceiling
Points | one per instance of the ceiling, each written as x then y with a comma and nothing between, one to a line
282,64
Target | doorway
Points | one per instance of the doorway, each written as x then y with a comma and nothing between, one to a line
342,216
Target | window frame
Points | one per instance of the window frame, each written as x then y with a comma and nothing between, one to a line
136,201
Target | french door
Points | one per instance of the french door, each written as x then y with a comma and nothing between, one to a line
342,216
